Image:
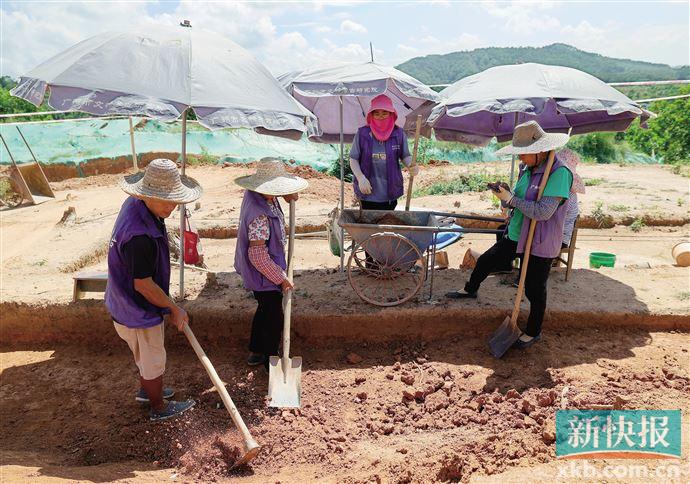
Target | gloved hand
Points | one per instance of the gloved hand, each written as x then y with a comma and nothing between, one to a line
413,170
364,185
503,194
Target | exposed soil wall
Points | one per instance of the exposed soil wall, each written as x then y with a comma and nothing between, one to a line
56,172
88,321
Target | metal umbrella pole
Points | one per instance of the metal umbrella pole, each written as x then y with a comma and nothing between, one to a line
512,158
182,206
342,185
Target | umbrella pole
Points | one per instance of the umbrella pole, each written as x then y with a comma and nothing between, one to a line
135,162
512,158
342,186
182,206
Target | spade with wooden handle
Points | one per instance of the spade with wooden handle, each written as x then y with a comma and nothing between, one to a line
417,130
251,448
508,332
285,374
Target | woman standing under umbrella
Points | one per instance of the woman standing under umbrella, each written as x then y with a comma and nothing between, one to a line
375,156
533,145
260,253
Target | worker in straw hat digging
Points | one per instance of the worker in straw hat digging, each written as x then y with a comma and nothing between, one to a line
137,294
532,145
260,252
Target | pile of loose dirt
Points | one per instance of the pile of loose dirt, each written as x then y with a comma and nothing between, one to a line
307,172
390,219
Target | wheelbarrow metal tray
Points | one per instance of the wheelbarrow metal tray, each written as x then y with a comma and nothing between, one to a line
418,227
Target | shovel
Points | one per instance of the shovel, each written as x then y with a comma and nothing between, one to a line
285,374
508,332
251,448
418,128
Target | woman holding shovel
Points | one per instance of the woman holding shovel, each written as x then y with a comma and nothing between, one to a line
260,253
375,156
534,147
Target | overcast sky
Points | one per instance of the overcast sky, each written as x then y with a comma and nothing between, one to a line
291,35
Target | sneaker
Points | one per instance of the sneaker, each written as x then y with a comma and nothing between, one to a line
255,359
522,345
461,295
172,409
142,397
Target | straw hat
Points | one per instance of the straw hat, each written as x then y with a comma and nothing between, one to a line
271,178
162,181
570,159
530,138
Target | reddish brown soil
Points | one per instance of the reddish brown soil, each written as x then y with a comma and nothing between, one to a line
420,412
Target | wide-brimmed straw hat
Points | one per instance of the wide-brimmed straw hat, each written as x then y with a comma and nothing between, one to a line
162,181
271,178
530,138
570,159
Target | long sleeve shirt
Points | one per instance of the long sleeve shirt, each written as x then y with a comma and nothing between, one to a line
259,230
537,210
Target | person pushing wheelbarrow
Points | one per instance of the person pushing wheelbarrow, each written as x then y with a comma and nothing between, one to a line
260,253
137,294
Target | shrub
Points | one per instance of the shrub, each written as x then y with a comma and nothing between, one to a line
475,182
637,225
599,146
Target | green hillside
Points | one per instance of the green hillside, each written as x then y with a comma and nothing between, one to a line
448,68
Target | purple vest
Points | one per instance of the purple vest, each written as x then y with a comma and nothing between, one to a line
548,234
135,312
393,157
254,205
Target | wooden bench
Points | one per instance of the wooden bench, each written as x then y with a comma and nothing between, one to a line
84,282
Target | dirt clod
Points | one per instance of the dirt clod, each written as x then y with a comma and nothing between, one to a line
354,358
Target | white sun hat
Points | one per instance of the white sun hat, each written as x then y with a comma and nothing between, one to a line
271,178
530,138
162,181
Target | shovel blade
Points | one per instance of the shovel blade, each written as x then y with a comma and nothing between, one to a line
285,388
504,337
251,450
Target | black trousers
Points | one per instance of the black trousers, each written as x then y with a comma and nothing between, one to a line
500,255
267,325
366,205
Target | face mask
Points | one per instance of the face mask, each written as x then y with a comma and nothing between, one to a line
381,128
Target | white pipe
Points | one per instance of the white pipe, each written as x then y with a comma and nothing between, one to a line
667,98
182,206
342,186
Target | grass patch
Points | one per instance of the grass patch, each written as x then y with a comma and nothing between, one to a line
637,225
592,182
684,296
475,182
618,208
680,201
682,169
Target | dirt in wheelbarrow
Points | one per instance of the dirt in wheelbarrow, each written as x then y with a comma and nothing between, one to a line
399,412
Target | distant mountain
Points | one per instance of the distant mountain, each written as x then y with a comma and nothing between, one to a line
448,68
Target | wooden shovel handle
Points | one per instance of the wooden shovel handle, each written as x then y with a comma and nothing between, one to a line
249,442
528,244
287,306
418,129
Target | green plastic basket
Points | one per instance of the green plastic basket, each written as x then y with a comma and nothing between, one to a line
599,259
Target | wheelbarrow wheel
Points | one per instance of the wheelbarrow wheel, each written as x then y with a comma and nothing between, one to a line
382,270
10,193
